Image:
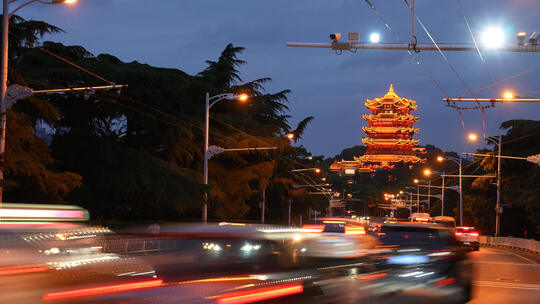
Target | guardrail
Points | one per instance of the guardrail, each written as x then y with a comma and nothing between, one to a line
510,242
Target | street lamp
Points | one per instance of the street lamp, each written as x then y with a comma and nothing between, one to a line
290,136
458,162
442,175
4,71
498,210
209,102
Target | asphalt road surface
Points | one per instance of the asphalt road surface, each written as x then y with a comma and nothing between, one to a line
505,276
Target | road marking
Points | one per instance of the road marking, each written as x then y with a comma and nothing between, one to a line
519,256
505,263
506,285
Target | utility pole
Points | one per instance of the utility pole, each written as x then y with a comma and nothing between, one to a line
442,198
498,205
429,194
263,203
289,221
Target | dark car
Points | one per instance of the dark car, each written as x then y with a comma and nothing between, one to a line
426,258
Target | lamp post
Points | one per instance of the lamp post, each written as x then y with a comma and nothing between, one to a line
459,163
498,210
209,102
4,71
442,175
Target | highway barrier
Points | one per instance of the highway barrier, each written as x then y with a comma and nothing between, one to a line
510,242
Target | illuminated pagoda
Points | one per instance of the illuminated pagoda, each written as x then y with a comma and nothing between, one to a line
389,136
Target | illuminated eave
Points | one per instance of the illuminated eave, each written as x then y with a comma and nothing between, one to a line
373,158
389,141
379,117
388,130
392,100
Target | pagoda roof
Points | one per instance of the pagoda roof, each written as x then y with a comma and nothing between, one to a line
389,141
390,158
384,117
391,99
389,130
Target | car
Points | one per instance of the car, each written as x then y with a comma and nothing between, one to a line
420,217
468,236
427,258
446,221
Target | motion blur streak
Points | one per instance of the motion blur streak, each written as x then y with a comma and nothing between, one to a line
215,280
313,228
355,230
101,290
22,269
445,282
372,276
261,294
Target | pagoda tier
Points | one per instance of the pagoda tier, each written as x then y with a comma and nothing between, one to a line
390,117
389,141
389,130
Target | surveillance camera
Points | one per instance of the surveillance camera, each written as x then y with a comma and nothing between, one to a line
335,36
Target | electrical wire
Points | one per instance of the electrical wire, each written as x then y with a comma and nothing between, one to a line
415,59
475,42
443,55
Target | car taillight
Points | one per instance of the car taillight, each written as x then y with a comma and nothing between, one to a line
422,219
355,230
458,233
313,228
474,233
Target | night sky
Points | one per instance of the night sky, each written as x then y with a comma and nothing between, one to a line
184,33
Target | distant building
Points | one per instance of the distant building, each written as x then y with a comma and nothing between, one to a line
389,136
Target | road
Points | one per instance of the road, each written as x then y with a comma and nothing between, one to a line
505,276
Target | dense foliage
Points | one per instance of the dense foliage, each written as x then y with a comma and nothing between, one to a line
137,154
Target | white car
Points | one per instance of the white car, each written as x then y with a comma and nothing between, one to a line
467,236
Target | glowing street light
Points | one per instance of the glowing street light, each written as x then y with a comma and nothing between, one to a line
427,172
440,158
290,136
416,180
509,95
493,37
374,38
472,137
209,102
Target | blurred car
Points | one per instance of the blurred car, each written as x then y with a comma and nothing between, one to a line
64,262
426,258
420,217
446,221
468,236
335,238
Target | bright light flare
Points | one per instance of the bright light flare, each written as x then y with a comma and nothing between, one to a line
416,181
242,97
427,172
290,136
317,170
508,95
472,137
70,1
374,38
493,37
440,158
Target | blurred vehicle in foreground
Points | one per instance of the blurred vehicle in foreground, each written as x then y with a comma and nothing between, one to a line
468,236
425,258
